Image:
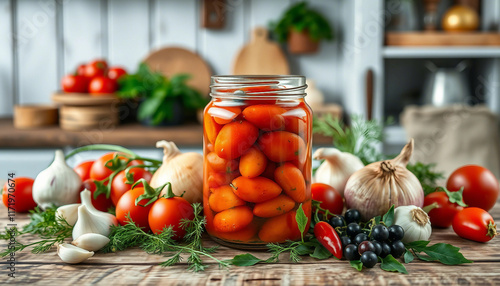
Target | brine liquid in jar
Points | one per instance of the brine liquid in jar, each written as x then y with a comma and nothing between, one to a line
257,159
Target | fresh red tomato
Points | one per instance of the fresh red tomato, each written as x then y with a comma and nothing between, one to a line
475,224
96,68
81,70
99,171
74,83
443,214
83,170
17,194
102,84
138,213
329,197
169,212
119,187
329,238
115,73
101,202
480,186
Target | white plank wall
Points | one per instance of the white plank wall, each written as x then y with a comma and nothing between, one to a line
57,36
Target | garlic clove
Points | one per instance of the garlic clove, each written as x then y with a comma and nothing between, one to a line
72,254
91,241
69,213
89,222
85,197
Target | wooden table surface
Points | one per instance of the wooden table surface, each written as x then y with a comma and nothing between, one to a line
134,267
128,135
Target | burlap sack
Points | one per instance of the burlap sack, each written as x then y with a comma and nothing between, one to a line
454,136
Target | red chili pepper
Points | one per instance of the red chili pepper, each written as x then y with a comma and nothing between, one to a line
329,238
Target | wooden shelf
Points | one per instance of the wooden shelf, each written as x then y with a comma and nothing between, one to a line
427,39
129,135
440,52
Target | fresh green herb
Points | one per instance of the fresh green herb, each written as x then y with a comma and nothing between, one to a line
300,18
388,218
389,263
442,252
426,175
321,253
356,264
246,259
408,257
301,219
44,224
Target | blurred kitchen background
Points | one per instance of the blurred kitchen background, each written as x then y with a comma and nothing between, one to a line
431,67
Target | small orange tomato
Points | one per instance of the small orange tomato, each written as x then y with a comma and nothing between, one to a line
266,117
221,165
244,235
233,219
220,179
255,190
281,146
278,229
252,163
211,128
269,171
223,198
235,138
224,115
274,207
291,180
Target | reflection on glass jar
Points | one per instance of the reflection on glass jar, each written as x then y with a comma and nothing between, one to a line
257,159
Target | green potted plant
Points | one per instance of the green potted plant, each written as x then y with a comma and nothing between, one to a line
302,28
162,101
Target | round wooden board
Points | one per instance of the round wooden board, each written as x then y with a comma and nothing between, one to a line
174,60
82,99
260,57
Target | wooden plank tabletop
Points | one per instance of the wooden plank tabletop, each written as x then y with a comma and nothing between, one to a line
134,267
128,135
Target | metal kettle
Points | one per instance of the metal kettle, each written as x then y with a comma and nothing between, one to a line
446,86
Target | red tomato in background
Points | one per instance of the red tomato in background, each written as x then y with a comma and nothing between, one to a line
96,68
329,197
474,224
21,197
138,214
443,215
81,70
480,186
169,212
115,73
99,171
74,83
102,84
83,170
119,187
101,202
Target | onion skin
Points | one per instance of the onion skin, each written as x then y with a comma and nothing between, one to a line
375,188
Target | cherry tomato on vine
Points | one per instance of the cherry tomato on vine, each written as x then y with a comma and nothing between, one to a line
74,83
99,171
115,73
481,187
329,238
138,213
83,170
119,185
167,212
475,224
101,202
102,84
329,197
81,70
96,68
443,214
20,190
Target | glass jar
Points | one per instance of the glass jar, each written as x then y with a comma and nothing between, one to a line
257,159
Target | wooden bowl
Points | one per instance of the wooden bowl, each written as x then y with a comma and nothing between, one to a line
84,99
99,117
34,116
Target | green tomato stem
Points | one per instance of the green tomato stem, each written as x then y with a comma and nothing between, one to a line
101,147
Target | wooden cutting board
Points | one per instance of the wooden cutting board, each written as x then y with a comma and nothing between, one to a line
173,60
260,56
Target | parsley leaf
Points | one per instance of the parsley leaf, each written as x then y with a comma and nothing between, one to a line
442,252
389,263
356,264
388,218
301,219
245,260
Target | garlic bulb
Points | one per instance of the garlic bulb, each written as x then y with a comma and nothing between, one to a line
414,221
376,187
57,185
183,170
337,167
68,212
91,220
72,254
91,241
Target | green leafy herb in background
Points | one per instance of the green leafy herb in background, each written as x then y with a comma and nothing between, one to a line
426,175
300,18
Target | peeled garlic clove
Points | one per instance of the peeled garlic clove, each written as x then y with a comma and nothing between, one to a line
69,213
89,223
91,241
72,254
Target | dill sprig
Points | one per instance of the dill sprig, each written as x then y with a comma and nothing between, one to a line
130,235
